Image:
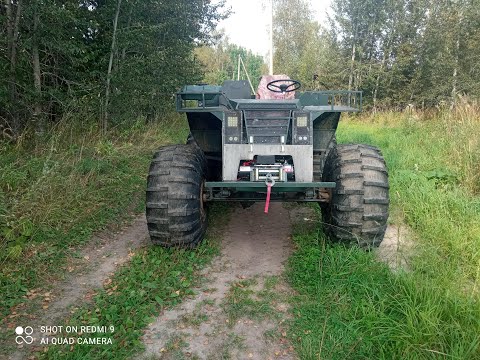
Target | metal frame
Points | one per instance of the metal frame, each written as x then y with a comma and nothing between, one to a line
250,128
354,99
349,100
302,158
313,106
260,185
255,191
203,108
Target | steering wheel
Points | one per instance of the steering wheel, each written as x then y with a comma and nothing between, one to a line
283,88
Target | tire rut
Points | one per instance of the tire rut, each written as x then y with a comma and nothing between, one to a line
240,309
98,263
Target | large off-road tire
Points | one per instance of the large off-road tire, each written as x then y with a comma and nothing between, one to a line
319,159
358,208
175,209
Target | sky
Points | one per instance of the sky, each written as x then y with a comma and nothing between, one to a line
248,25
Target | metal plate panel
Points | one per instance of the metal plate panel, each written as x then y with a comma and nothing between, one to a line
302,158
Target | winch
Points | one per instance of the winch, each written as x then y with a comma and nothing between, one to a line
276,167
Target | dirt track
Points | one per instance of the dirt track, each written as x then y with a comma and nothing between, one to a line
248,272
255,248
97,263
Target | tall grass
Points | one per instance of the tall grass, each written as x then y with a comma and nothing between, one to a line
434,164
449,136
351,306
56,192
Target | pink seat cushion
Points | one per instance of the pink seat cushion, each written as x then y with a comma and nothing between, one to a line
264,93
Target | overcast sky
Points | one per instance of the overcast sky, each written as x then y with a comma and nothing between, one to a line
248,26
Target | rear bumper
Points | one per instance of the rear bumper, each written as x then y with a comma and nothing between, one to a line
255,191
250,186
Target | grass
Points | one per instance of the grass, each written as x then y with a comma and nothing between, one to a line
55,196
350,306
155,279
244,301
194,319
356,308
233,342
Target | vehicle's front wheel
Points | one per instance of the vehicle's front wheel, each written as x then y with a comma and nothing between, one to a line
358,209
175,210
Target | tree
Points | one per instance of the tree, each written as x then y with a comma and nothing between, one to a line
220,62
294,33
13,14
146,73
110,64
115,60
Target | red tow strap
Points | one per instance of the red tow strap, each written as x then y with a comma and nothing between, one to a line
267,202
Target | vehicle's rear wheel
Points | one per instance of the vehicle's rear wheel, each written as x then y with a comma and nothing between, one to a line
358,208
319,159
175,211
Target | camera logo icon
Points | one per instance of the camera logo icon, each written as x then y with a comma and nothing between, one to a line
24,335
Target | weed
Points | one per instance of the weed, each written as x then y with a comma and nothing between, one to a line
194,319
207,302
233,343
175,343
271,282
350,306
271,334
242,301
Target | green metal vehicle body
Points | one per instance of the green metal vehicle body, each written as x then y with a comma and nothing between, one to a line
284,140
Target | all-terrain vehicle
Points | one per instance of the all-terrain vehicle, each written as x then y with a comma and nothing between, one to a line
279,145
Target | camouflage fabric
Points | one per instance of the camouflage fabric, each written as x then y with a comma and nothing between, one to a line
264,93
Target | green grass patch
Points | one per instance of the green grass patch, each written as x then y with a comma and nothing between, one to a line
242,301
233,342
196,318
350,306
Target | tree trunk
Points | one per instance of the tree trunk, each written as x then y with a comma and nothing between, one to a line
352,62
455,67
110,64
455,71
13,31
13,54
124,50
358,78
37,78
9,20
377,81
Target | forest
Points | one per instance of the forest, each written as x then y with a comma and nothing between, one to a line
101,61
398,52
114,61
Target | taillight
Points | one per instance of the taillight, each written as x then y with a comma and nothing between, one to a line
233,128
301,128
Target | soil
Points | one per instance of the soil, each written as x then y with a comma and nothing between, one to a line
96,264
396,247
255,247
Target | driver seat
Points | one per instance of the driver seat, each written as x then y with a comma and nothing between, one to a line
264,93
